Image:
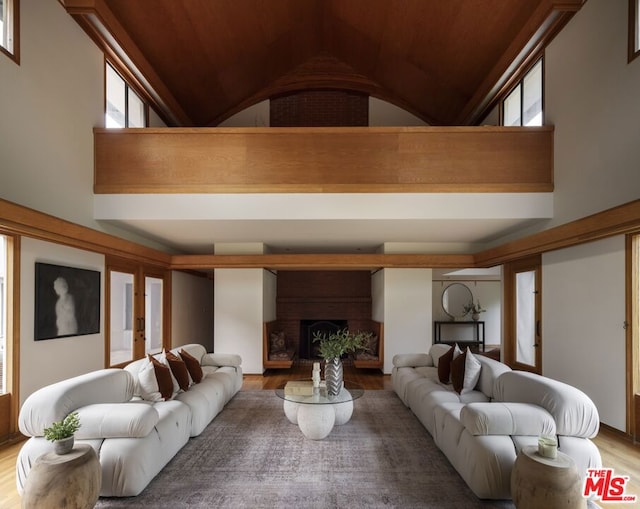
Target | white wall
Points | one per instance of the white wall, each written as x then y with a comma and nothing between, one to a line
583,311
238,311
407,312
591,98
191,310
50,104
48,361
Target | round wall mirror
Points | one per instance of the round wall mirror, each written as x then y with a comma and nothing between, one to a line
455,298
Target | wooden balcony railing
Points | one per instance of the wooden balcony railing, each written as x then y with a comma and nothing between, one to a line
321,160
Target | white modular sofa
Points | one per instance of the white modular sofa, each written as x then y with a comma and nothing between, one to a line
134,438
482,429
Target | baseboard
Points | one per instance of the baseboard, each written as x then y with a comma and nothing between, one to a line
621,435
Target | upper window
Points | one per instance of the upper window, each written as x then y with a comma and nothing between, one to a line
9,17
124,106
523,105
634,29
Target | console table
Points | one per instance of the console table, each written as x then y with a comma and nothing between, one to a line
476,326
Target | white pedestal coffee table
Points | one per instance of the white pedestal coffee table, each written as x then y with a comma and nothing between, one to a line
316,415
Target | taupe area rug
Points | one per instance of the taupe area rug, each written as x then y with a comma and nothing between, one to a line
251,456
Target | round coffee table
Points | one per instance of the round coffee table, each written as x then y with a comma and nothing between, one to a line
316,414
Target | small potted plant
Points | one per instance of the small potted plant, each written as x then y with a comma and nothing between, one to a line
475,309
62,433
332,347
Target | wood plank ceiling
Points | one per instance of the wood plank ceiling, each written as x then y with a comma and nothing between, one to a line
200,61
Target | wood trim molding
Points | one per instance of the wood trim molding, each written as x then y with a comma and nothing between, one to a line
21,220
619,220
97,20
320,261
551,16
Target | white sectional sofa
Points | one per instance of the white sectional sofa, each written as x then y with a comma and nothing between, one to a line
133,437
482,429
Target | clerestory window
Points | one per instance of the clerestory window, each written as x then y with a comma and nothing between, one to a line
124,108
523,105
9,24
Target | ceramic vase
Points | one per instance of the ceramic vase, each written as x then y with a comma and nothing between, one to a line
333,376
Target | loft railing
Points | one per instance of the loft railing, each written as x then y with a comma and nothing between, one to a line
317,160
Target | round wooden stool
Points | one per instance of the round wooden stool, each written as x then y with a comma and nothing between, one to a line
64,481
543,482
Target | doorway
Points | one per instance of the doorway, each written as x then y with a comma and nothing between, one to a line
138,311
522,313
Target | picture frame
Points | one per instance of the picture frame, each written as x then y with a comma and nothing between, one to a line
67,301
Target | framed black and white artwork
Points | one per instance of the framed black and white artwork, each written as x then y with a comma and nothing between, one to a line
67,301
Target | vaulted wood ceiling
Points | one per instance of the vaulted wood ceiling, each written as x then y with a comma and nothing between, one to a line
200,61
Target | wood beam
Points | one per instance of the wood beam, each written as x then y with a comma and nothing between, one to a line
320,261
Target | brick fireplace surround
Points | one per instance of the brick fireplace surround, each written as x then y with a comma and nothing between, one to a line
304,297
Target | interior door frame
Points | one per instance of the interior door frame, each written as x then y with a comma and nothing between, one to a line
511,269
139,271
10,399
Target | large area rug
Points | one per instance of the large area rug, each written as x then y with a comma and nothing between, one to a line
251,456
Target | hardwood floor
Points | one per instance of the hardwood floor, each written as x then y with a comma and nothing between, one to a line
617,453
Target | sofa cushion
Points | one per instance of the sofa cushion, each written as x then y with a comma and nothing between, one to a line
572,410
277,342
465,372
193,366
116,420
154,381
444,364
221,359
507,419
166,384
436,351
411,360
54,402
491,370
179,370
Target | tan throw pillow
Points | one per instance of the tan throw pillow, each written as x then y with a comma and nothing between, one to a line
179,370
163,376
193,366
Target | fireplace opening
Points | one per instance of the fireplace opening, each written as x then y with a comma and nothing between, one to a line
308,349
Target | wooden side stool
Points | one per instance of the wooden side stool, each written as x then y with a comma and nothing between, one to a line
67,481
538,482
